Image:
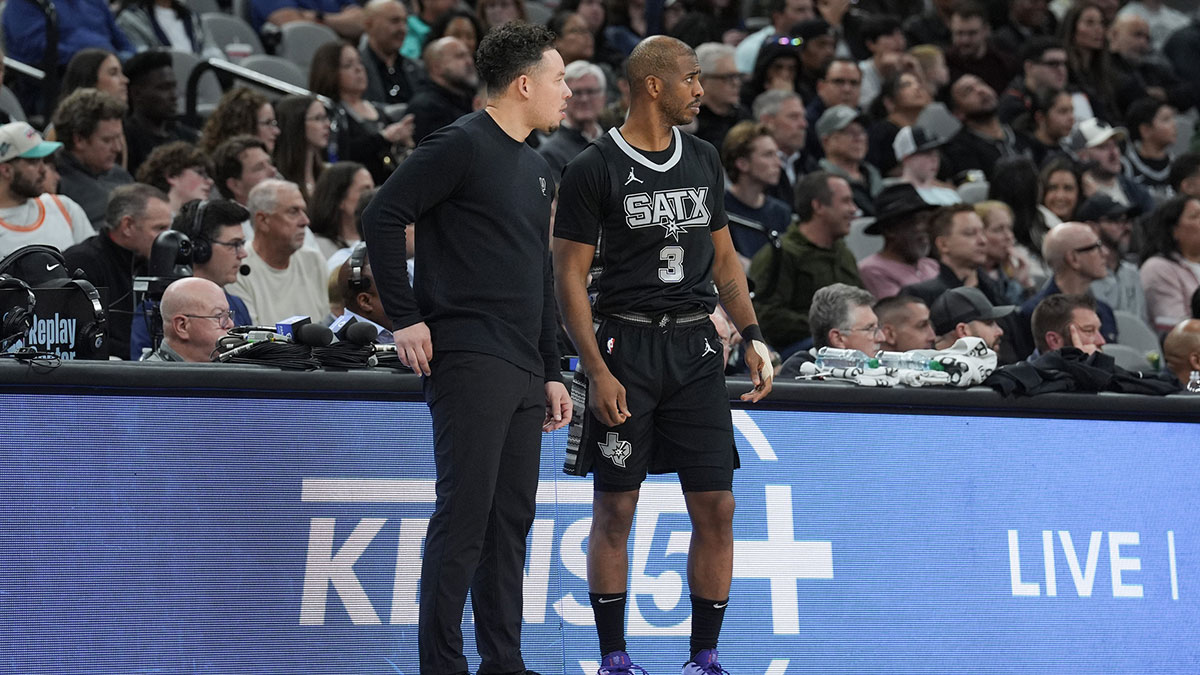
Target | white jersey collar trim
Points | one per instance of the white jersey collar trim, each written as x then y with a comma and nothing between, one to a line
641,159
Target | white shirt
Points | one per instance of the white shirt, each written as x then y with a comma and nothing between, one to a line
271,294
173,28
51,220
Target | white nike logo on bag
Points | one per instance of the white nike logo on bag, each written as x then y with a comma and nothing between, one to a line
51,267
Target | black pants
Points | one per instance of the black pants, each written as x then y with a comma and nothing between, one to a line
487,419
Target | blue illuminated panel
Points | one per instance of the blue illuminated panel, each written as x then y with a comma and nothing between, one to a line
174,535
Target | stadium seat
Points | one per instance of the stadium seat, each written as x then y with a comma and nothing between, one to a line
208,89
278,68
301,40
10,105
202,7
1129,358
224,29
859,242
1132,331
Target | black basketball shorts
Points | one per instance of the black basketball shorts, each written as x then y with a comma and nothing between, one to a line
673,372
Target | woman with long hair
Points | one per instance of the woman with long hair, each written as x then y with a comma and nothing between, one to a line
1060,190
301,152
241,111
96,69
366,134
1171,261
573,38
901,99
457,23
1083,32
595,15
331,213
1015,182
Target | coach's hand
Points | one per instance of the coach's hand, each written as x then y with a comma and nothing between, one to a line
608,400
414,347
558,407
762,373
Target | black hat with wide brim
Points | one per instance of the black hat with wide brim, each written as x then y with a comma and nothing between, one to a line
895,204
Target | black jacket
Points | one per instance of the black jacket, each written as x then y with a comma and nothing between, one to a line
434,106
109,266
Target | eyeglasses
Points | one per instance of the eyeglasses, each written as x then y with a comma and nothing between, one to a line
222,318
873,329
727,78
269,123
236,244
1090,247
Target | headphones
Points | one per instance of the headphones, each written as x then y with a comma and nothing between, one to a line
92,334
17,320
201,246
358,260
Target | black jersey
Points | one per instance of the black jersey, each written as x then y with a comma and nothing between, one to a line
651,216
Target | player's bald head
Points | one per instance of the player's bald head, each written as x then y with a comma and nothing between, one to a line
656,56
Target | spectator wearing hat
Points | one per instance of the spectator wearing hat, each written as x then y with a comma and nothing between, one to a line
1076,256
903,220
818,44
89,122
983,139
751,160
1181,348
719,107
1122,288
1044,66
917,152
784,14
904,323
27,214
843,134
809,256
1148,156
967,312
1097,145
971,51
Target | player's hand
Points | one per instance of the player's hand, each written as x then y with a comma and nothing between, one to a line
762,373
558,407
414,347
608,400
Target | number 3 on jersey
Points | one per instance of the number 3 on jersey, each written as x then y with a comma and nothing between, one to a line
673,272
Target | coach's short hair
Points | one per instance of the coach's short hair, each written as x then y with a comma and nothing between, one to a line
129,200
509,51
1054,315
831,308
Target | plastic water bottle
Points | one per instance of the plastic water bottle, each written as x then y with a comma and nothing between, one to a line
1193,384
831,357
907,361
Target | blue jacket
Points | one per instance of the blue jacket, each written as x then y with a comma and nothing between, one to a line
81,24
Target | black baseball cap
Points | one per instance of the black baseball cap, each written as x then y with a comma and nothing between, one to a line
1100,206
964,305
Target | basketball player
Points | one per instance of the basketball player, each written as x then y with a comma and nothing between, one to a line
652,374
484,296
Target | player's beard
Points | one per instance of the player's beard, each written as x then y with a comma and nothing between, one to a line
679,114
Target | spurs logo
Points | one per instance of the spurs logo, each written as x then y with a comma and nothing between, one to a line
615,449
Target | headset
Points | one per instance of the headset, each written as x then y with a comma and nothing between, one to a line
17,320
358,260
201,246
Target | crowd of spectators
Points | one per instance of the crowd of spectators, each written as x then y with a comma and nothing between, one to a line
947,167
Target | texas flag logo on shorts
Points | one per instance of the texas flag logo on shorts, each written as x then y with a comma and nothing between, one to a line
616,449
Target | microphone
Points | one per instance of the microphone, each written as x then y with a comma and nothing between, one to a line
312,335
360,333
244,270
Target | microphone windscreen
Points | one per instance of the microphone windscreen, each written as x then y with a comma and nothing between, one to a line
361,333
244,270
313,335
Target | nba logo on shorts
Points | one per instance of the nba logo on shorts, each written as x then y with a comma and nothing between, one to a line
612,342
542,181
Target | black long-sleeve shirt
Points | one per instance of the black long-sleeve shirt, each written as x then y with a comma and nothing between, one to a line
481,204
